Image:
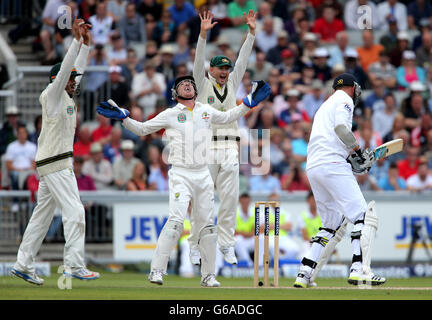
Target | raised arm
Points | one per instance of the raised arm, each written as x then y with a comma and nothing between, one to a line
81,60
245,50
62,77
150,126
199,62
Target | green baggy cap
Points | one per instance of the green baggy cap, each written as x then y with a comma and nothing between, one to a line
220,61
56,68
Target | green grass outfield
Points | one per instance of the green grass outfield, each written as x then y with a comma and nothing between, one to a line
135,286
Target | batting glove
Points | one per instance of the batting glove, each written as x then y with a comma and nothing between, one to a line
361,162
260,91
110,109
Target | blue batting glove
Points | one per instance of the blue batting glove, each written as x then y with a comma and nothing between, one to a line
110,109
260,91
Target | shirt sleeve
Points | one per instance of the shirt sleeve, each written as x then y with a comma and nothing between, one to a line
150,126
199,64
344,114
242,61
220,117
81,61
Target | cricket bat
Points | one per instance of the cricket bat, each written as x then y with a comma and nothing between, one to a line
387,149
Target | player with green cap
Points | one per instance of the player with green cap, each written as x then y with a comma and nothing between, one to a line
219,91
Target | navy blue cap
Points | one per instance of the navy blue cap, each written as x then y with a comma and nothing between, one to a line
344,80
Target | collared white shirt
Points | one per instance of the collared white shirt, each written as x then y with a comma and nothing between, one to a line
187,130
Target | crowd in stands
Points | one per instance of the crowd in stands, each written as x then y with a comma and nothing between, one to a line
300,47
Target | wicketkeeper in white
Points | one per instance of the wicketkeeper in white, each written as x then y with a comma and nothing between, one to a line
187,127
333,156
219,91
58,186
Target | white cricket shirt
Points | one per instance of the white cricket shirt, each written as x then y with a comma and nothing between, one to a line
324,145
188,131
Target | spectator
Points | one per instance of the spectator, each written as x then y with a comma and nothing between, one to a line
219,10
116,9
133,26
183,49
131,67
267,37
111,149
392,182
366,136
336,52
383,69
115,88
418,11
20,158
393,9
423,52
181,12
304,83
158,170
63,37
382,119
117,54
367,182
419,133
375,100
87,8
123,166
409,166
274,55
261,69
314,99
328,25
380,169
265,11
85,182
264,182
147,86
9,129
102,132
427,148
102,24
389,40
398,129
293,106
167,67
354,17
150,8
50,15
289,69
82,146
322,70
38,127
295,179
165,30
369,51
422,179
310,44
236,9
402,45
352,66
98,168
138,180
413,111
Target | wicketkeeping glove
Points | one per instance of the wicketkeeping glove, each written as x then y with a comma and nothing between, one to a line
361,162
110,109
260,91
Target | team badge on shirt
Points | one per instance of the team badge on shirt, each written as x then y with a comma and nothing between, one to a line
69,110
211,99
205,115
347,107
181,117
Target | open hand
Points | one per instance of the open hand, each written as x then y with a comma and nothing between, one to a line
206,21
250,18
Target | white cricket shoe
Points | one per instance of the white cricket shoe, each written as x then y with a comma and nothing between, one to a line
195,257
29,277
156,276
209,281
229,254
359,278
82,274
303,281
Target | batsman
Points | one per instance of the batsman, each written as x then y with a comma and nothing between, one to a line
219,91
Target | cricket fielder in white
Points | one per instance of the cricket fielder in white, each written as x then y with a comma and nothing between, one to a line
333,156
219,91
58,185
187,127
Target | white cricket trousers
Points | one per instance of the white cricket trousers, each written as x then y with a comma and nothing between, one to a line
58,189
336,193
224,171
